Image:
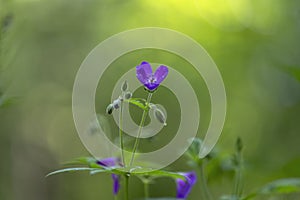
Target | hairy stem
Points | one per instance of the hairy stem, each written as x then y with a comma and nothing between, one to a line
137,140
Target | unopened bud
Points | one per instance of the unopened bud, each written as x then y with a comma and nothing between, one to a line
116,103
109,109
239,144
152,106
124,86
160,116
128,95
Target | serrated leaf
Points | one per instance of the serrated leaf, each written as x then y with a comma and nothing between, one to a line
141,103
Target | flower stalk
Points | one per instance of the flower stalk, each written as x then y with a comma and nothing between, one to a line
146,189
121,134
238,176
126,185
238,161
206,193
137,140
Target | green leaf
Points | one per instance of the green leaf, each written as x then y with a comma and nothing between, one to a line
229,197
193,152
282,186
161,173
85,160
294,71
195,147
141,103
139,171
7,101
162,198
89,161
96,171
70,170
92,170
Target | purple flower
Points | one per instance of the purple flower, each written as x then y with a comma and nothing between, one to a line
147,78
184,186
112,162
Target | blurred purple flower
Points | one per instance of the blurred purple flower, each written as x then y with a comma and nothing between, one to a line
147,78
184,186
112,162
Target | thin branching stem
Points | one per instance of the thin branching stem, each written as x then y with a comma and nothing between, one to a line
121,133
137,140
206,192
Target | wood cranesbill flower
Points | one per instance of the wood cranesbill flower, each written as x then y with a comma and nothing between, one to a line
147,78
184,187
112,162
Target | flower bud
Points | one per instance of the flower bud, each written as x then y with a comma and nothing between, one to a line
152,106
239,144
116,103
160,116
127,95
124,86
109,109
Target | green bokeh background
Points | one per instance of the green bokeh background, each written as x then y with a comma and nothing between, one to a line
254,43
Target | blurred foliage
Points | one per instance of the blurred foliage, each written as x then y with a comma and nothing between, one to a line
42,44
277,188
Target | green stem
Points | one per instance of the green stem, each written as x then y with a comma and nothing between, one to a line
146,189
126,186
238,177
206,193
137,140
121,133
115,197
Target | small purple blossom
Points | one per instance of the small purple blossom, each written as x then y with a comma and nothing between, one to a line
112,162
184,186
147,78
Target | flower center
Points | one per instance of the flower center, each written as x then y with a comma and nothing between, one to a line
152,80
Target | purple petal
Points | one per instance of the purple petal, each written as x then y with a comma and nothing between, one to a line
184,187
109,162
116,180
161,73
151,86
112,162
144,72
